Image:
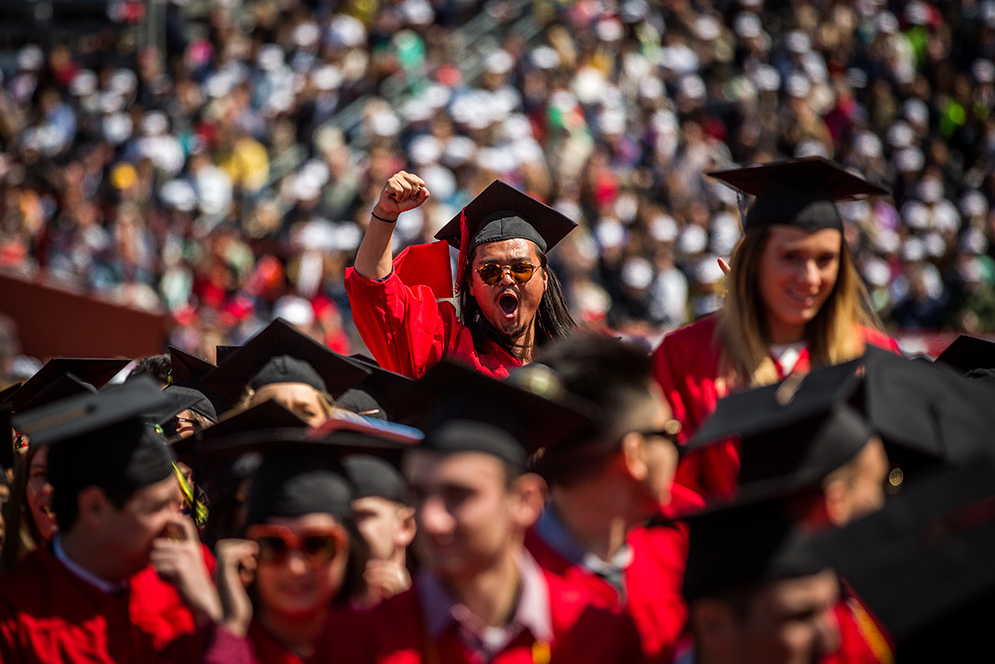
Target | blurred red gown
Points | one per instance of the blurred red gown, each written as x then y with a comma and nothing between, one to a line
686,365
653,578
48,615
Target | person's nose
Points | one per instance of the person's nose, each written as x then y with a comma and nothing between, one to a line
296,563
506,278
810,273
434,518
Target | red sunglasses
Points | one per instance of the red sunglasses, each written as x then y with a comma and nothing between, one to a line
318,545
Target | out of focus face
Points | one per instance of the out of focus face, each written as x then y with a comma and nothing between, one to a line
865,492
659,453
39,495
510,307
380,521
185,423
797,273
145,516
301,398
302,580
463,510
791,621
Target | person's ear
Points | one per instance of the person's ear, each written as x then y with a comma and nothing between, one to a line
92,507
406,530
837,501
632,455
528,499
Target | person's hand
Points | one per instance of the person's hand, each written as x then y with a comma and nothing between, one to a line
386,578
237,561
402,192
179,559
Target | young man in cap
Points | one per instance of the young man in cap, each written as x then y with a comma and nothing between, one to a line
125,579
604,488
510,302
386,521
480,596
757,590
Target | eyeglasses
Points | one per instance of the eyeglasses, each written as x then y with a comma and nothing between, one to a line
491,273
184,420
318,545
671,431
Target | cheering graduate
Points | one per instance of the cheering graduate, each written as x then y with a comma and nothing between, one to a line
479,596
280,363
603,489
510,302
794,301
125,578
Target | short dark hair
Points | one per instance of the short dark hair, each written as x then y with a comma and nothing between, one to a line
609,372
157,366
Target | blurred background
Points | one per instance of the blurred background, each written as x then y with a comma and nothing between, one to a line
184,171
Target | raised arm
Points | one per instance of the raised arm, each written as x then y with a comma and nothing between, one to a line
402,192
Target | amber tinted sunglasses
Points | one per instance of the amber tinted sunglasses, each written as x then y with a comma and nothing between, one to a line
318,545
491,273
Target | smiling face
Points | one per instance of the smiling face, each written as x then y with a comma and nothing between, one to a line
508,306
796,275
39,495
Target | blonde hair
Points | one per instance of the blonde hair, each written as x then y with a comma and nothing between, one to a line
833,336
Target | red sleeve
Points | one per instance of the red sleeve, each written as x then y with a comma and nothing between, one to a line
881,340
405,328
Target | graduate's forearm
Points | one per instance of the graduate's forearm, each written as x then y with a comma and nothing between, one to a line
373,260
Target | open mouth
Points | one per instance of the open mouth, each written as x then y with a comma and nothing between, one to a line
508,303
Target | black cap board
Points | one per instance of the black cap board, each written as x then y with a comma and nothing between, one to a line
6,439
501,212
6,392
464,410
101,439
179,399
251,363
966,353
197,400
184,365
380,387
96,371
922,564
798,192
62,387
224,351
361,402
374,477
734,546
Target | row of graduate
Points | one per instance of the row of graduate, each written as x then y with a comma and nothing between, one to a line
574,498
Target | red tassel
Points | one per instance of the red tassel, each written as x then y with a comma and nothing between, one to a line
464,242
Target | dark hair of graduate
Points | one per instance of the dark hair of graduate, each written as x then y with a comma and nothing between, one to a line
157,366
553,320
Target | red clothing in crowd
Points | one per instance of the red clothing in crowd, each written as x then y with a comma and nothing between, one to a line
50,615
396,632
686,364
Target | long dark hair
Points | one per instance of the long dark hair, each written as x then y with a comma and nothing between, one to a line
552,321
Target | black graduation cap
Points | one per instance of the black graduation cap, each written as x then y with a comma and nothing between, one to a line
185,366
6,440
923,564
736,545
179,399
333,372
101,438
62,387
224,351
381,387
966,353
197,400
797,192
95,371
463,410
301,471
374,477
6,392
501,212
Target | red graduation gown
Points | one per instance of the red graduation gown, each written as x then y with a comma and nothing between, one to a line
393,632
653,578
49,615
686,365
407,330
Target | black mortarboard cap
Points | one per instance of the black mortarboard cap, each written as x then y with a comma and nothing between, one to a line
6,438
501,212
102,439
737,545
797,192
361,402
96,371
197,400
185,366
62,387
224,351
966,353
923,564
278,339
383,386
6,392
464,410
374,477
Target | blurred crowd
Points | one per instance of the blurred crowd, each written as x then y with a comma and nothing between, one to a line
228,175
